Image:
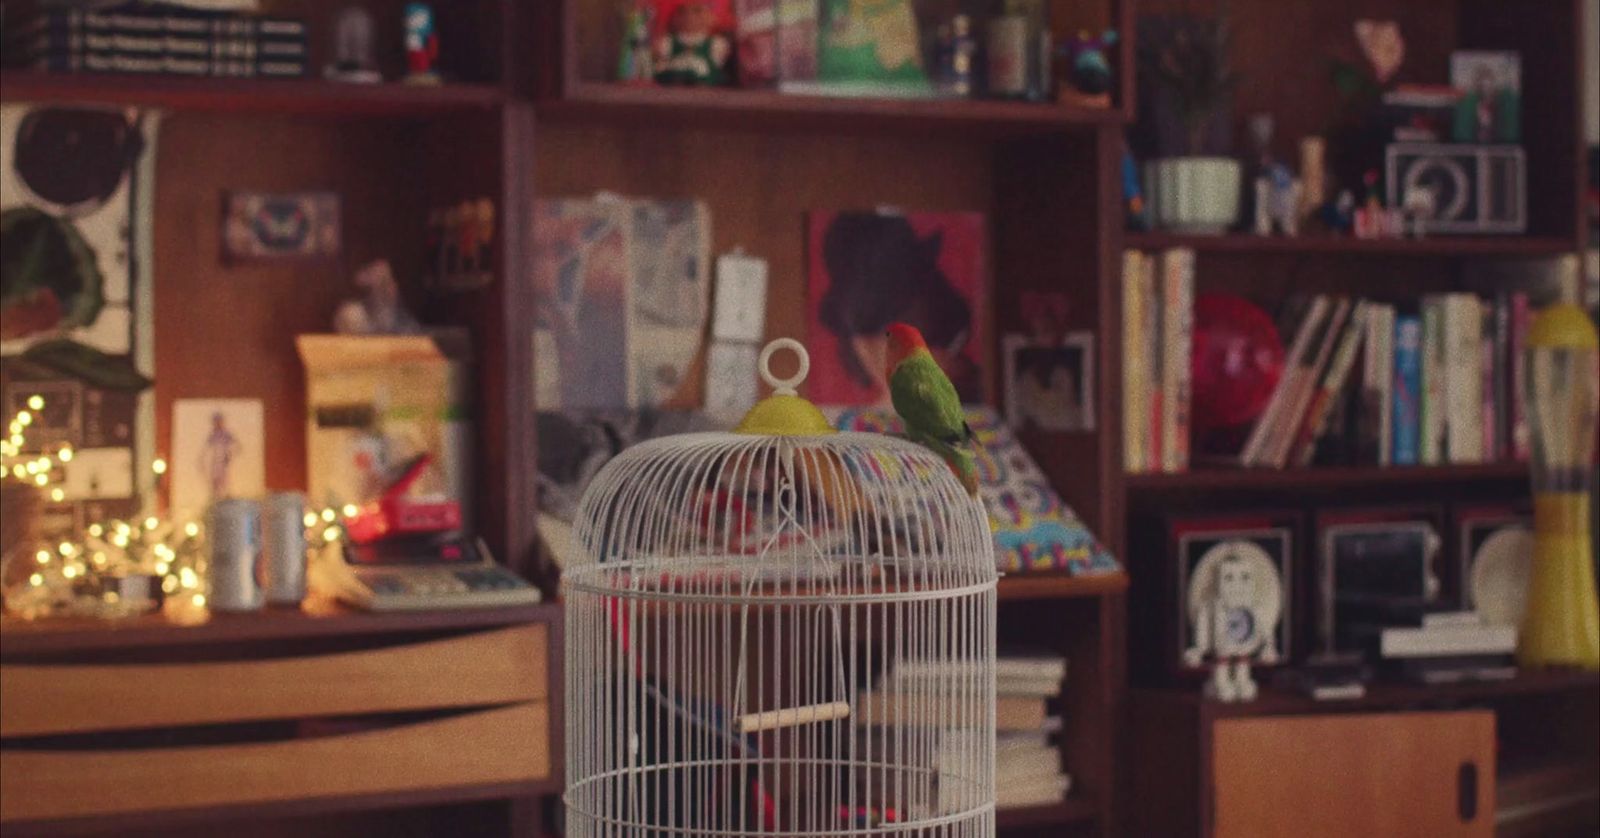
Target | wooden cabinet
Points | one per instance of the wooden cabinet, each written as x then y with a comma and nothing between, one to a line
1428,775
152,723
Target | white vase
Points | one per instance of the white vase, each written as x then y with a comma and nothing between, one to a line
1194,194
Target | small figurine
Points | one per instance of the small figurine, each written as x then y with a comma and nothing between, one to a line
354,59
1338,215
692,52
636,65
1313,175
1420,206
1277,202
381,311
422,45
1087,65
958,57
1235,602
1134,208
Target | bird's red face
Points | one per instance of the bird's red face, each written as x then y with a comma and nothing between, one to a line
904,339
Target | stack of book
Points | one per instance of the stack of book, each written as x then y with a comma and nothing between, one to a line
1157,330
1447,648
1027,762
1435,387
173,39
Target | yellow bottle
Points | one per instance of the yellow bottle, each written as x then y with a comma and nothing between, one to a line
1562,623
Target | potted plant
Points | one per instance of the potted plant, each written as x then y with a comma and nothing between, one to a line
1194,184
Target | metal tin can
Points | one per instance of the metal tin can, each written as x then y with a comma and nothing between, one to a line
283,548
234,529
1008,56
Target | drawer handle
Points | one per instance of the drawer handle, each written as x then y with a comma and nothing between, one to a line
1467,792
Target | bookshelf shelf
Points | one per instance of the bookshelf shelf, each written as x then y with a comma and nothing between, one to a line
312,97
1021,586
1436,246
1318,479
767,109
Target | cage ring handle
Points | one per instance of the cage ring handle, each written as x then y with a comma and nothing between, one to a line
784,386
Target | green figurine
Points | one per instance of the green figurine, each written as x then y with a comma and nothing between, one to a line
692,52
636,65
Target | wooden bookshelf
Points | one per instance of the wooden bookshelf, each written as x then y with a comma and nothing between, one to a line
1322,245
288,97
1321,479
1025,586
742,109
1072,810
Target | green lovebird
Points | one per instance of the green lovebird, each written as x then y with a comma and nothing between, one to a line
928,404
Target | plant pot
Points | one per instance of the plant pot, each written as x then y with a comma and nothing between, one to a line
1194,194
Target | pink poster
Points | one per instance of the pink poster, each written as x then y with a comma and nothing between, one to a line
867,270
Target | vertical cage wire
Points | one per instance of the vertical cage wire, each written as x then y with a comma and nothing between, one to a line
773,635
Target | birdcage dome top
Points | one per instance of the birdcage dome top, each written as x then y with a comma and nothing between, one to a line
781,509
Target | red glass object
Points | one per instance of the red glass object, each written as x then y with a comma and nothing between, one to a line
1237,361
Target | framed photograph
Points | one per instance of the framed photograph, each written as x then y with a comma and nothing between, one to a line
1234,591
275,225
867,270
1494,559
1050,384
1375,568
218,451
1490,107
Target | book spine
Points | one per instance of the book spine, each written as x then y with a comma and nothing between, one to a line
1521,318
1463,348
1407,389
1177,322
1133,363
1255,446
1333,381
1307,384
1433,383
1382,373
1488,375
1155,362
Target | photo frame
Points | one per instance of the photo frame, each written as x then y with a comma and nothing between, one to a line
1200,546
1374,567
1493,560
1049,384
279,225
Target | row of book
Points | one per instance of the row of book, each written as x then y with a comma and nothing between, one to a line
1028,687
1436,385
1157,330
160,39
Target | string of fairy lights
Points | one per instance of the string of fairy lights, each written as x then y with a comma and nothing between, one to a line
170,550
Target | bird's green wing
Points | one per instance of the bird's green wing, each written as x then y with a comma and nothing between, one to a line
927,401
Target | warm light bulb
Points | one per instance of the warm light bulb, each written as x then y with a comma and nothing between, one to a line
65,454
350,510
36,580
151,523
191,529
19,472
24,419
58,495
96,530
188,578
330,534
36,402
159,466
42,557
65,548
328,515
120,539
70,571
41,479
162,568
200,600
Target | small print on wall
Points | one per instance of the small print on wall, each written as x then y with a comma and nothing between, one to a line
218,451
268,225
1050,384
870,269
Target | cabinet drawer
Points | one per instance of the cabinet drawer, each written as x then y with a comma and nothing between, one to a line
1427,775
501,745
501,666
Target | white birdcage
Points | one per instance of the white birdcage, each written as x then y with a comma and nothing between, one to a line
781,630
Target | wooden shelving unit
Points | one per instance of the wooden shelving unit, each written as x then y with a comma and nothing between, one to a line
283,97
1321,245
1026,586
1330,477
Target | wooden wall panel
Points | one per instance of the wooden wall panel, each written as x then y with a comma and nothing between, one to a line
226,330
760,186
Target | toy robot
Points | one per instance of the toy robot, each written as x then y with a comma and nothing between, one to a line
1235,601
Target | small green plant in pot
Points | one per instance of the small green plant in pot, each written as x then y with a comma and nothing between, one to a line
1184,76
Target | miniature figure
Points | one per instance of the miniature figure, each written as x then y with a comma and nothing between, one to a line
1134,208
637,64
1421,205
1277,202
381,312
1235,601
692,52
960,53
1088,67
354,53
422,45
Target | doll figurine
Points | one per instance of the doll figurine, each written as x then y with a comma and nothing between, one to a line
1088,68
692,51
422,45
1277,202
636,65
1235,600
